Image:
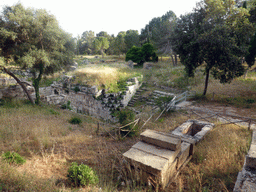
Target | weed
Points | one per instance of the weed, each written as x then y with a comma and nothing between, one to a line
12,157
125,117
163,101
52,111
66,106
77,89
75,120
81,175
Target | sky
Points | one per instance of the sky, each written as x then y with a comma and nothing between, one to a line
112,16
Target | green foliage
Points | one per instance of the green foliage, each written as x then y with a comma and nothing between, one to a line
148,52
239,101
125,117
141,55
101,44
181,82
12,157
33,39
76,89
135,54
75,120
66,106
81,175
132,38
199,38
53,112
163,101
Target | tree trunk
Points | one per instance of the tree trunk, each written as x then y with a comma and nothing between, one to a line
172,60
102,53
36,82
20,83
175,59
206,81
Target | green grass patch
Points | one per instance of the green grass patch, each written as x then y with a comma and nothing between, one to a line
13,158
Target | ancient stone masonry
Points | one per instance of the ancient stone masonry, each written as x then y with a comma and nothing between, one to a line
246,179
161,156
10,89
89,100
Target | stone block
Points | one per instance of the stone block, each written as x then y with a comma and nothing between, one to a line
158,162
168,172
161,152
250,161
160,140
184,154
148,162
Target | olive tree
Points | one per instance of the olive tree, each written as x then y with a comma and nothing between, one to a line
33,39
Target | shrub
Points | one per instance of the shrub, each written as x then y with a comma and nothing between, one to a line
125,117
76,89
66,106
82,175
163,101
141,55
134,54
75,120
12,157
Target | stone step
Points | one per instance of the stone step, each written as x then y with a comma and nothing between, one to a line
157,161
160,140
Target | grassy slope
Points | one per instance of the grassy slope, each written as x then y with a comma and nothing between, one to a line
49,143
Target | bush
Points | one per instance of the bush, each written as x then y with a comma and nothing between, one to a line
77,89
81,175
125,117
141,55
12,157
75,120
134,54
66,106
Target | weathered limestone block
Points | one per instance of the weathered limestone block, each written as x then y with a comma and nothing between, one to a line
251,157
154,160
160,140
184,154
193,131
154,155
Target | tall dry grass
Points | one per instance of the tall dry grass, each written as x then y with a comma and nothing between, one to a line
217,160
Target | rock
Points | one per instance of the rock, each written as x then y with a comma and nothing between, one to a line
75,64
72,68
86,61
130,64
96,57
148,65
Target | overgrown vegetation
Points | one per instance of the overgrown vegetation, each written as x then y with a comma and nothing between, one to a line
126,117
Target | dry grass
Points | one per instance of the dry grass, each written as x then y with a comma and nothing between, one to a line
104,76
217,161
49,143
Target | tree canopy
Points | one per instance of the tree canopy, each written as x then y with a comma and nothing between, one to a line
33,39
216,35
101,44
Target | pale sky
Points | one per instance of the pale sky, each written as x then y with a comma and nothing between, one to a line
112,16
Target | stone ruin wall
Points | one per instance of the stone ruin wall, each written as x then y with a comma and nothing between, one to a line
89,100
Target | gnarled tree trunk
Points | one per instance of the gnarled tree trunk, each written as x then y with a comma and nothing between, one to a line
20,83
